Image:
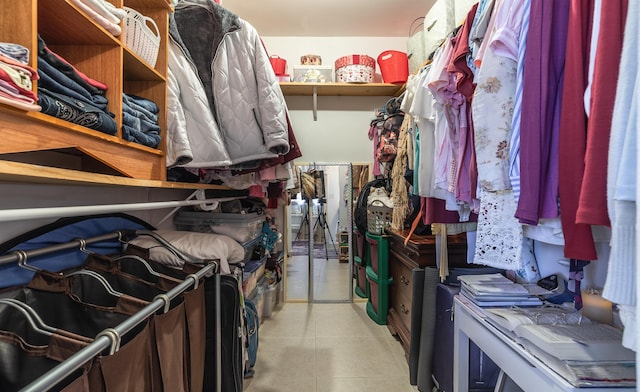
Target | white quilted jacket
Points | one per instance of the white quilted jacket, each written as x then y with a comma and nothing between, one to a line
237,78
193,137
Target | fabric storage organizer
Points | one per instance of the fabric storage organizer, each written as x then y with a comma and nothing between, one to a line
32,267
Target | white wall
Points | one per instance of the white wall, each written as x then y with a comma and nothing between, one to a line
340,132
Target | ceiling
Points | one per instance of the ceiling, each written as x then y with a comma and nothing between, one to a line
330,18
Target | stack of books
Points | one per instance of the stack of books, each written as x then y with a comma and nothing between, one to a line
491,290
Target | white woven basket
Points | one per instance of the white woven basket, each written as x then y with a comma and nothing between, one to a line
138,37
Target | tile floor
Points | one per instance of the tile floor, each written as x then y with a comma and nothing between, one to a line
331,279
327,348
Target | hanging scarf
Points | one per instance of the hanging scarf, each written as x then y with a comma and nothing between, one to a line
399,188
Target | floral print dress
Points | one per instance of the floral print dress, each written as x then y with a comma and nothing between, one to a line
500,242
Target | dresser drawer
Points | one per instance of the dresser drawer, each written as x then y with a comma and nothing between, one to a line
402,304
402,281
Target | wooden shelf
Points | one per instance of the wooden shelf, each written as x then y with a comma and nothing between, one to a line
16,172
32,132
341,89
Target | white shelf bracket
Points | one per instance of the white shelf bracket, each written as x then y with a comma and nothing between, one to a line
315,103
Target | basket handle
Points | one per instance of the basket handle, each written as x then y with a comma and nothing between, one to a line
147,21
414,27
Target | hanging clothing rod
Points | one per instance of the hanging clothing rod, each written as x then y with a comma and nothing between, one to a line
59,212
16,256
102,342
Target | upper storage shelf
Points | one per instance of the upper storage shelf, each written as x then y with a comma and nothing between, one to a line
342,89
339,89
39,139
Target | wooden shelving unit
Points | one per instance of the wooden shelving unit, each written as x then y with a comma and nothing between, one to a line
42,140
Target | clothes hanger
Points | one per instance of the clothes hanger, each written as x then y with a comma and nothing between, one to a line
141,261
22,261
27,315
99,278
32,313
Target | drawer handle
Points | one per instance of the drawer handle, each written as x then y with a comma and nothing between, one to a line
404,280
404,309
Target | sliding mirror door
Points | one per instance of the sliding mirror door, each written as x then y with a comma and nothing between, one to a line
320,225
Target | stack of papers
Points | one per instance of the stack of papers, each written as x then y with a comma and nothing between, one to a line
577,342
490,290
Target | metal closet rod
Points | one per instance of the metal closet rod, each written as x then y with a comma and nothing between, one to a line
103,341
59,212
26,254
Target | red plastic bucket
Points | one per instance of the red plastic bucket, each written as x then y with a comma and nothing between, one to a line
394,66
279,65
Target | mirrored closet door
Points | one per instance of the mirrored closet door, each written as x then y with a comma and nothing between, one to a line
319,263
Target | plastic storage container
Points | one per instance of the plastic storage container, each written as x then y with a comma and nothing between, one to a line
355,68
313,73
252,273
378,303
240,227
270,294
361,278
257,297
379,254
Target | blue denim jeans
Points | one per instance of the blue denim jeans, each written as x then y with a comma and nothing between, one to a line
138,105
65,68
140,123
76,111
150,139
54,80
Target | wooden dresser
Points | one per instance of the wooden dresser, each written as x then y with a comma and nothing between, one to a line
419,252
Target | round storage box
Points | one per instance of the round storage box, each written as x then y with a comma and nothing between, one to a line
394,66
355,68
